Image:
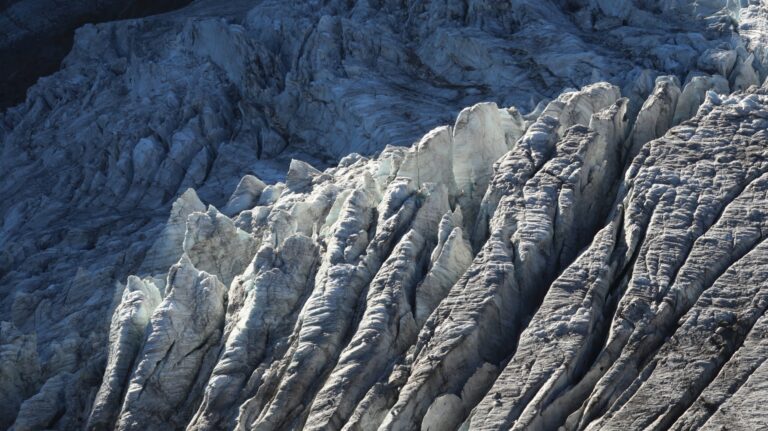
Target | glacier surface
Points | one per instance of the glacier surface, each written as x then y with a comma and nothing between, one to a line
435,215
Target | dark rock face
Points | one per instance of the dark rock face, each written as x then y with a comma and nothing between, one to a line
582,248
36,35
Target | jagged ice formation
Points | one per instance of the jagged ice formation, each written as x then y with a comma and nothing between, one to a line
580,249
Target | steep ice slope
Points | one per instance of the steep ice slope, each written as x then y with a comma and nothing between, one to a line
518,269
322,330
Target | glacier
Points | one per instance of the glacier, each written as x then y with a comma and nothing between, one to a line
436,215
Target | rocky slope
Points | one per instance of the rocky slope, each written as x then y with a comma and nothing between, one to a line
582,249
